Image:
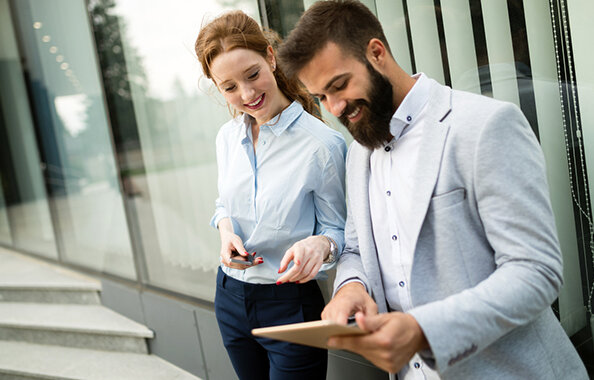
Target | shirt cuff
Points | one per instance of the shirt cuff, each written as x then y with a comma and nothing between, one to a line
214,222
348,281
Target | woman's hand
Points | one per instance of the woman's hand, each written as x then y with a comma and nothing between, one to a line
308,256
232,248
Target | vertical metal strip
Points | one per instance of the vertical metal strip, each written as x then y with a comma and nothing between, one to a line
442,43
411,50
517,22
480,46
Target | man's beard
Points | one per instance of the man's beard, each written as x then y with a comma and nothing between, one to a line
373,128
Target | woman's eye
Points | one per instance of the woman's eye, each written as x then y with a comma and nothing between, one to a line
254,75
229,88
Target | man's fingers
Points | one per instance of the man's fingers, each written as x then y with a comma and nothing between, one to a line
349,343
370,322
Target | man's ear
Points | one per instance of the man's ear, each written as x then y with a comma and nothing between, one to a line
376,52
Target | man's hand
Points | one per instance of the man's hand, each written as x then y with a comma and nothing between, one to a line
394,339
307,256
351,298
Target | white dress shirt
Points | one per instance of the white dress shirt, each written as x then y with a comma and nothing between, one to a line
390,195
288,188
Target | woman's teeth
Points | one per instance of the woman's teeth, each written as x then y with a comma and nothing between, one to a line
255,102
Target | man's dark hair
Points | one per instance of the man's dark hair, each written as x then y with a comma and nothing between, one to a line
347,23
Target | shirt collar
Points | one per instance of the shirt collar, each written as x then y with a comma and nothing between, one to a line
410,109
277,124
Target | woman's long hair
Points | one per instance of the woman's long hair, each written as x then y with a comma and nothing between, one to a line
234,30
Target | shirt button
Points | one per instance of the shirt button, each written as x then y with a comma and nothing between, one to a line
263,142
417,365
394,237
408,118
388,193
401,283
387,149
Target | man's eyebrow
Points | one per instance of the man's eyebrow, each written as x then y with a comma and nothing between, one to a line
331,82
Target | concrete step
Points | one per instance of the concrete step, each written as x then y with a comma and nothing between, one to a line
49,295
82,326
19,360
25,279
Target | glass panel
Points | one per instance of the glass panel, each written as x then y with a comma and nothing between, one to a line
392,15
516,54
170,170
460,44
580,14
75,137
5,236
548,108
425,38
24,213
500,50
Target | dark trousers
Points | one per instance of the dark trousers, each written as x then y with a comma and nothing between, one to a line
241,307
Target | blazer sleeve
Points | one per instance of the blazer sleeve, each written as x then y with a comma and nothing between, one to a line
349,265
509,180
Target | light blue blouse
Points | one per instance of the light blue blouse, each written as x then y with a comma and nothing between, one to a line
292,187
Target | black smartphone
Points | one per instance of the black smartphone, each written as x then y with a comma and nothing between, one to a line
249,262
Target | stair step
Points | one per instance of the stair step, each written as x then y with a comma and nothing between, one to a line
19,360
83,326
48,295
25,279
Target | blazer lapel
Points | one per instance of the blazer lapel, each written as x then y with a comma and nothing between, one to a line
430,156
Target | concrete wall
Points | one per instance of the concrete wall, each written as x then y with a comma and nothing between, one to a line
187,335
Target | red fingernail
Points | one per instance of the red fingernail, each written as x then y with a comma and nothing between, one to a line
254,254
296,282
278,282
246,253
297,262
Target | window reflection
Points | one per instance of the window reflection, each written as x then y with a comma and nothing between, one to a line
165,122
74,136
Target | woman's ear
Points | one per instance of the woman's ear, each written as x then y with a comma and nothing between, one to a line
270,57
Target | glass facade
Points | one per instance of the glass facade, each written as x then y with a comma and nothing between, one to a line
107,127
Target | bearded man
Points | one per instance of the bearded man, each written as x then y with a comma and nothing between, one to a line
451,259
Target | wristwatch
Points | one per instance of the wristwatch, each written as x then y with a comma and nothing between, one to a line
333,251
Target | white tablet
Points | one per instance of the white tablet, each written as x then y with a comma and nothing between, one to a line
314,333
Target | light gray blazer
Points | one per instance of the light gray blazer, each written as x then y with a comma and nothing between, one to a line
487,263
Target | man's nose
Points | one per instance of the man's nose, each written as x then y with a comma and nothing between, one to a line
335,105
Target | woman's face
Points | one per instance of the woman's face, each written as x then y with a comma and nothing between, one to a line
247,82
